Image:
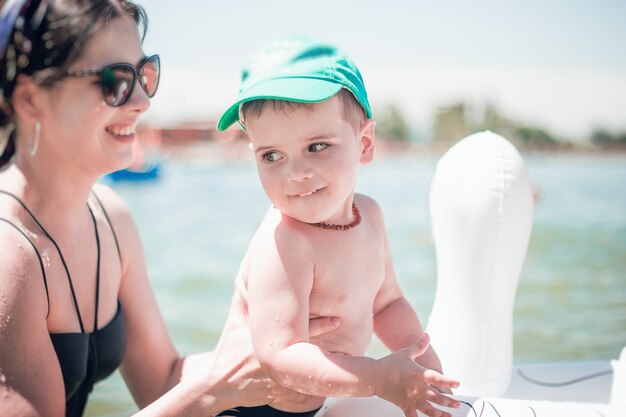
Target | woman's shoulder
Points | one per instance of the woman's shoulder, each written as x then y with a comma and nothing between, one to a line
119,217
21,267
18,251
112,202
114,206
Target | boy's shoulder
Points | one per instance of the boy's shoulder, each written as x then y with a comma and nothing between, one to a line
278,238
367,206
366,201
371,213
277,226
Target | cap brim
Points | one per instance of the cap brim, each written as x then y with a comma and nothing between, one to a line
302,90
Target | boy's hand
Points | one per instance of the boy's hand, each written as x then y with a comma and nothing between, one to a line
412,387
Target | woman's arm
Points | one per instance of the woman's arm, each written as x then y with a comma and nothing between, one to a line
31,383
152,368
151,365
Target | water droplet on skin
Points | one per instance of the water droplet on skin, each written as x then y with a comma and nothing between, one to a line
33,236
3,311
3,379
46,259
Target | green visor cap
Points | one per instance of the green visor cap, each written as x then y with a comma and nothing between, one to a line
297,69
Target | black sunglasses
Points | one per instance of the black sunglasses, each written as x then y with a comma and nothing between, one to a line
118,80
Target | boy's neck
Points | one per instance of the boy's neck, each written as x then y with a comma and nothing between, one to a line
342,227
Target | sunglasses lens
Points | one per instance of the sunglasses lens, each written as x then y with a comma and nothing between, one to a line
117,85
150,72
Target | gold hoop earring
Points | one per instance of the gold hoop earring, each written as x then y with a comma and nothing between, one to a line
33,145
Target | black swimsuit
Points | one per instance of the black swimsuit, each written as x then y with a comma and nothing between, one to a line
264,411
84,358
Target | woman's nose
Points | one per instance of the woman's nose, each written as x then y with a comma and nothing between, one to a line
139,100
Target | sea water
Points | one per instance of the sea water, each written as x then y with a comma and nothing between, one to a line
196,221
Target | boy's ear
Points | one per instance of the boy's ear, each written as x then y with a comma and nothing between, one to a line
25,99
368,139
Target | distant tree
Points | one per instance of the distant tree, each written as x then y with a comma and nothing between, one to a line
451,124
493,120
391,124
601,138
534,137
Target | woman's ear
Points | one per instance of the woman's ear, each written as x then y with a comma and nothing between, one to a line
25,99
368,139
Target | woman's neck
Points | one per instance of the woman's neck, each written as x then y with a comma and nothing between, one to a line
54,193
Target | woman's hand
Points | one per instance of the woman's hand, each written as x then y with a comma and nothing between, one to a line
234,375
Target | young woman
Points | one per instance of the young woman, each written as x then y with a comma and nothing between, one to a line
75,300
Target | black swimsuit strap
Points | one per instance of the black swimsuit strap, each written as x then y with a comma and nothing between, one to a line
67,271
43,271
95,226
108,219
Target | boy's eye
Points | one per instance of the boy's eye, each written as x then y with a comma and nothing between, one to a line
317,147
271,156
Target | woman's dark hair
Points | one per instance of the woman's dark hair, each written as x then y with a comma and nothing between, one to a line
47,37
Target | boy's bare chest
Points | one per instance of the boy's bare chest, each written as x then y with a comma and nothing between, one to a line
348,275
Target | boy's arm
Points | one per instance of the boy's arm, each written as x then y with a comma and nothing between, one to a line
397,326
395,322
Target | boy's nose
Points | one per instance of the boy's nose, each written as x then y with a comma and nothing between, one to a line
297,172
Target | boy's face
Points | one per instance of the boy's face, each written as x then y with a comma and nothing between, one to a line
308,159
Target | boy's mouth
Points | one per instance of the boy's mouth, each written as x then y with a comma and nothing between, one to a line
307,193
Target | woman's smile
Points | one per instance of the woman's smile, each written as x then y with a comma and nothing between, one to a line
122,132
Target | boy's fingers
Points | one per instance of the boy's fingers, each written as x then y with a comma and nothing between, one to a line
435,378
444,400
322,325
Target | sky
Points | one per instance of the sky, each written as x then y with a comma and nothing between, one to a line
556,64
